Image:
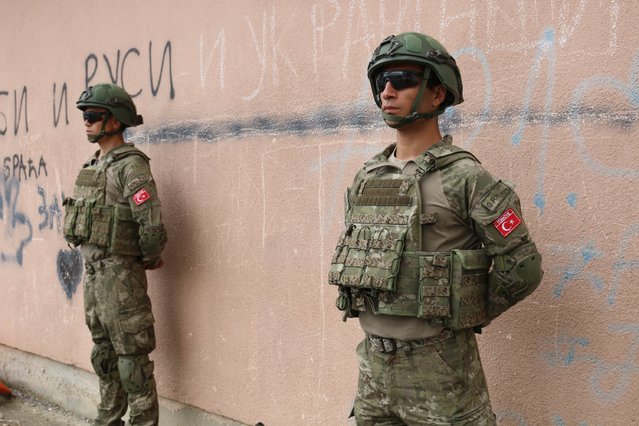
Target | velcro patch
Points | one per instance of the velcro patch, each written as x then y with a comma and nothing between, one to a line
507,222
137,181
141,196
496,196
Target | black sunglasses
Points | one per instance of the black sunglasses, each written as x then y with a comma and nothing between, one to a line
398,79
93,116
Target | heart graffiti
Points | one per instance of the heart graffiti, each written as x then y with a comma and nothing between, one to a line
69,270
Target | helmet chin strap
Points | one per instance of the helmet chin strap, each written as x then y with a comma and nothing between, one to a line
103,133
414,115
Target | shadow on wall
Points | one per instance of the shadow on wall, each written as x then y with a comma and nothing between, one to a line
181,234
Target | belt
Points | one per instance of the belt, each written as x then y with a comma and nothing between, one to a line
389,346
90,266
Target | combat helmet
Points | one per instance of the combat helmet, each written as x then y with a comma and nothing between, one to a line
422,50
116,101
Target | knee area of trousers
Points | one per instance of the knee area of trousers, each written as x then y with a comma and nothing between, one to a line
135,372
104,360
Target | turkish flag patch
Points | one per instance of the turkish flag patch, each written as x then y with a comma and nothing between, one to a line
141,196
507,222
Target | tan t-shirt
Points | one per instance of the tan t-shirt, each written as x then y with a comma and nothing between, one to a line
447,231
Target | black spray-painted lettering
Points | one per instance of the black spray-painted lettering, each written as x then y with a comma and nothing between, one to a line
50,212
116,66
3,131
167,48
63,98
15,167
17,112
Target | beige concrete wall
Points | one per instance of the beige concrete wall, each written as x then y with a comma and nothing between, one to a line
257,115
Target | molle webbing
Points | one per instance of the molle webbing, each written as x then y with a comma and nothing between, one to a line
378,263
383,192
392,219
453,287
87,177
88,220
446,287
367,260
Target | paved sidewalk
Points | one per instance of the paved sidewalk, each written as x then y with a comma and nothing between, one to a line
25,409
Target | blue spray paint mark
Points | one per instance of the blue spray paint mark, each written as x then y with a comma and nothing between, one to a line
621,374
512,417
582,257
576,110
565,350
18,231
546,50
484,115
622,264
571,199
559,421
574,270
540,201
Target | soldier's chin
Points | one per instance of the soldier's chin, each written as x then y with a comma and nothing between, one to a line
393,124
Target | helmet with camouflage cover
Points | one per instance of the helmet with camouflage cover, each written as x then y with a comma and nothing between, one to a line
421,50
116,101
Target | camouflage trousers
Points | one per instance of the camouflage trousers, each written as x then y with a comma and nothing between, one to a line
118,314
436,381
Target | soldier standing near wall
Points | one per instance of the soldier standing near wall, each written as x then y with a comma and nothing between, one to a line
434,249
114,216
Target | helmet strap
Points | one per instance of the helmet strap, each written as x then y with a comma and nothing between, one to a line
96,138
414,115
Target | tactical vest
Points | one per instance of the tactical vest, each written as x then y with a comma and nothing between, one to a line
378,263
87,218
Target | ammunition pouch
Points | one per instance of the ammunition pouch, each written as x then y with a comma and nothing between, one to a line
112,227
449,288
76,220
368,260
453,288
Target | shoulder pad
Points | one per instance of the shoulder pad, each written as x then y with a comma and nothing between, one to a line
95,156
445,155
127,150
381,157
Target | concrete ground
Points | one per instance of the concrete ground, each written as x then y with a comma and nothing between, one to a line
50,393
26,409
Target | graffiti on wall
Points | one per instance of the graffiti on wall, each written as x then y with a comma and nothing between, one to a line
17,231
18,170
19,112
600,272
69,267
14,116
117,65
17,167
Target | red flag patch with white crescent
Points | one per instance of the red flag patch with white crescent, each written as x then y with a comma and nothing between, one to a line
507,222
141,196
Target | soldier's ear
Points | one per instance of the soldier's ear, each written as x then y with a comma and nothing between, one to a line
440,95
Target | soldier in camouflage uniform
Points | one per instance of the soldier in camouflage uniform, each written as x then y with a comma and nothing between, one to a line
114,216
434,248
